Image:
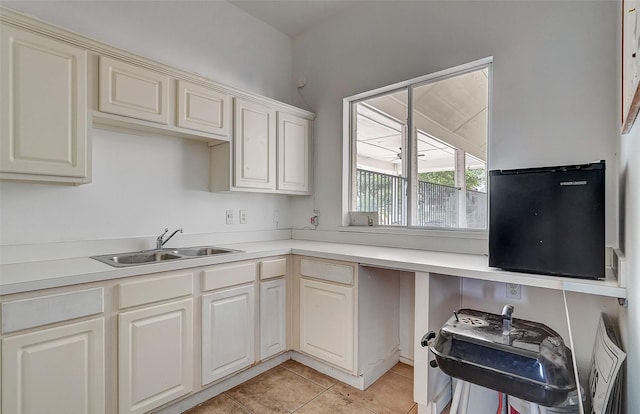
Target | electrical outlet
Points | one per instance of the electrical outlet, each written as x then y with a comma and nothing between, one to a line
243,217
276,216
513,291
229,216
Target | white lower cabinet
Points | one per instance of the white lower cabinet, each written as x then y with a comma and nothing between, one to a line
227,331
273,323
58,370
155,355
327,322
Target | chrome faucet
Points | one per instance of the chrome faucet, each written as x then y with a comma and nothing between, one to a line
507,319
160,242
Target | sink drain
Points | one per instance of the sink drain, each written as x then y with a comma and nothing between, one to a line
472,321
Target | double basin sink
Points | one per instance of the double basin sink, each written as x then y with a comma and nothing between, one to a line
161,255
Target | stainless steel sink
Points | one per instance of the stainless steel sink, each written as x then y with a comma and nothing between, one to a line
159,256
202,251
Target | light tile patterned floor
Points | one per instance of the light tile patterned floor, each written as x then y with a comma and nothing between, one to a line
294,388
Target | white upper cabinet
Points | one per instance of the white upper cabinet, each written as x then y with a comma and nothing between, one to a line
55,85
43,110
133,91
254,145
132,96
271,152
294,153
203,109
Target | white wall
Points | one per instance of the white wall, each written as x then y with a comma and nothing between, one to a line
142,184
630,244
212,38
554,94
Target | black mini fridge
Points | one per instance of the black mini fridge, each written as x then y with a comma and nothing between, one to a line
548,220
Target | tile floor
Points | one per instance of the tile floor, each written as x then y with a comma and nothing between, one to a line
294,388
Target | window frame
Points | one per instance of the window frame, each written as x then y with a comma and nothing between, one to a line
349,157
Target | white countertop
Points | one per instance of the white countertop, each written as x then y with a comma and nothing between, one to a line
22,277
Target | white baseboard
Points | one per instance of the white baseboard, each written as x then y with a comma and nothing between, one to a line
333,372
373,373
406,360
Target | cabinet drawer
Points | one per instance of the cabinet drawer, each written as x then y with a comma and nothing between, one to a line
221,277
332,272
29,313
133,91
155,290
273,268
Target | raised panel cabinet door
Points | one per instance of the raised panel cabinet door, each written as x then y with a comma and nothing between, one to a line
326,322
43,106
59,370
254,145
273,323
294,153
203,109
133,91
227,332
155,355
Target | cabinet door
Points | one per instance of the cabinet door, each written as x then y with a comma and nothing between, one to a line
133,91
55,371
326,322
254,145
155,355
273,323
294,153
227,332
203,109
43,90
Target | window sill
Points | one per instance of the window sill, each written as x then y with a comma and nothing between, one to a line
414,231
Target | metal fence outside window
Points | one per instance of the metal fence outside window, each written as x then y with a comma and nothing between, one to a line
383,193
437,204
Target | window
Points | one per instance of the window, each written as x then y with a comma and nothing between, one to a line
418,150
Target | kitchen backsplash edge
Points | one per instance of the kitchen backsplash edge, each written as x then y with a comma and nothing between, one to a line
23,253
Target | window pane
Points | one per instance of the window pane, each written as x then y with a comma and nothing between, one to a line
438,194
418,151
476,196
380,176
450,124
